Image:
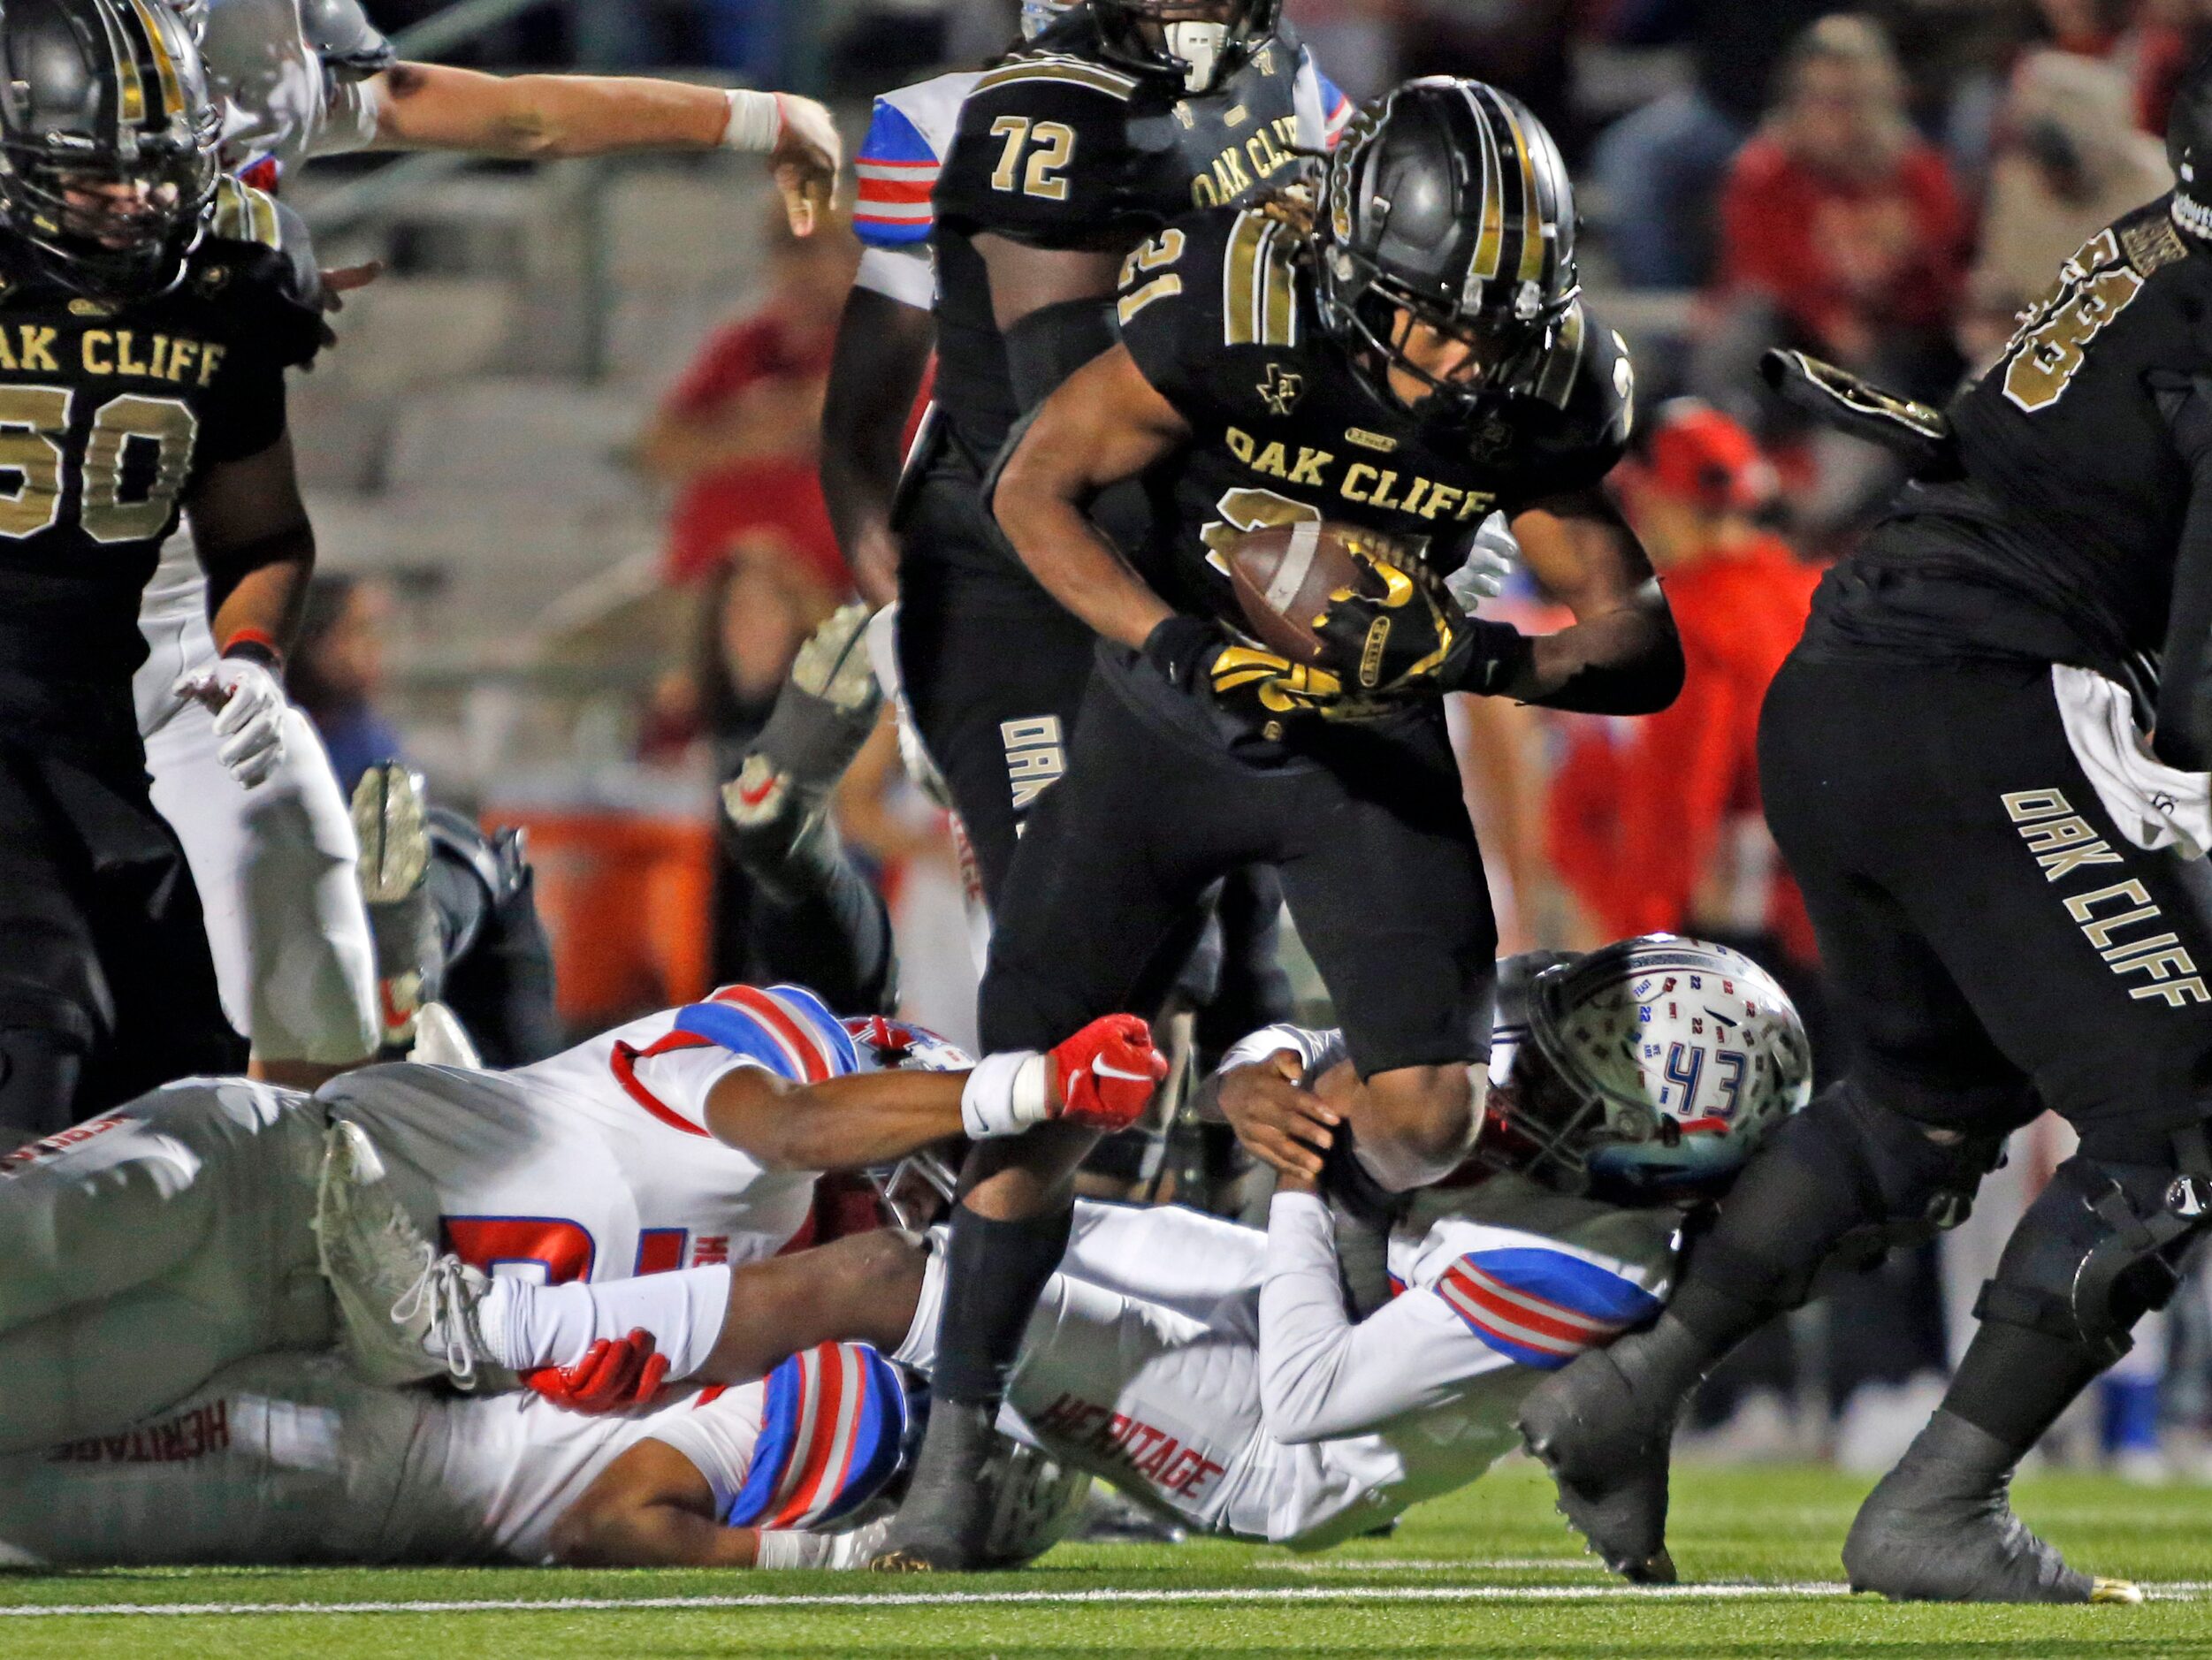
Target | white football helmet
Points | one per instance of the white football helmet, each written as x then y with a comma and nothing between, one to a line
918,1189
1664,1062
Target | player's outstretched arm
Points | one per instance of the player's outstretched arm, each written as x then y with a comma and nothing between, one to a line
1622,656
883,348
1103,1078
651,1508
1106,424
252,534
437,107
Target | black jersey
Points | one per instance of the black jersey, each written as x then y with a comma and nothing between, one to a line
1059,147
109,416
1219,312
2059,543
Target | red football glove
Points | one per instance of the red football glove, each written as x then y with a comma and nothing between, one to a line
1107,1073
614,1374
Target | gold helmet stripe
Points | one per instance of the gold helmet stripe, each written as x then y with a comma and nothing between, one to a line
1532,243
1490,249
172,93
130,90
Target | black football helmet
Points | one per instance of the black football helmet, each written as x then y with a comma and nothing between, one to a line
1190,44
1447,199
2189,149
108,140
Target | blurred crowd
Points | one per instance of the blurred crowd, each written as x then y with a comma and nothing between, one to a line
1885,185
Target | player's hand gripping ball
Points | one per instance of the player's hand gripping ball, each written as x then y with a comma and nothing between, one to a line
1397,631
1258,687
1107,1073
616,1374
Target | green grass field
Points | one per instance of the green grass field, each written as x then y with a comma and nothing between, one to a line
1490,1571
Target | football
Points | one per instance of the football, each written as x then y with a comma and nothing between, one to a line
1284,575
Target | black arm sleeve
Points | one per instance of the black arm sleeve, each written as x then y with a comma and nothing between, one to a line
2185,694
1051,344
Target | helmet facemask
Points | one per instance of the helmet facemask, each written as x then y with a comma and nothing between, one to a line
108,139
108,226
1200,41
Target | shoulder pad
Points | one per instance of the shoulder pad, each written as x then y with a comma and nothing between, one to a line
1047,159
786,1029
1259,282
1589,379
1541,1304
1059,69
243,214
255,232
898,162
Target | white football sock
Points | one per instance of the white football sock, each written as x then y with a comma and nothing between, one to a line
555,1325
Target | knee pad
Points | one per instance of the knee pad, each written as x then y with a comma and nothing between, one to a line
1866,1161
2101,1247
1918,1185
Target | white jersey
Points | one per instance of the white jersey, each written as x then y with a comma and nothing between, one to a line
598,1164
1210,1370
289,1458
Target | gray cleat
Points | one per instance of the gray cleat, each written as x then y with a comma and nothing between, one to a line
392,825
1940,1528
1604,1426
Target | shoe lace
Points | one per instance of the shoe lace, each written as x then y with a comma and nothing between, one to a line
442,1290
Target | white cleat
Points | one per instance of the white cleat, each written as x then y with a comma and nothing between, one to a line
391,824
406,1313
441,1041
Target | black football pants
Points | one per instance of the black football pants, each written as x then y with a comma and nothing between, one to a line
1367,830
1984,923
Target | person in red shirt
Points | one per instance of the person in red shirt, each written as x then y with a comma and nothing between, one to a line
1654,823
737,438
1841,230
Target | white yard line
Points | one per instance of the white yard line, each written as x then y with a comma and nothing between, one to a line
1727,1591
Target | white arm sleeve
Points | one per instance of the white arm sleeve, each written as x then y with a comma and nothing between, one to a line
718,1437
1321,1376
904,274
1320,1050
351,114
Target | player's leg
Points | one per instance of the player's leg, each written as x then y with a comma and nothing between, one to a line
1115,857
994,668
1385,882
1179,1259
1161,1403
147,1247
55,1002
497,957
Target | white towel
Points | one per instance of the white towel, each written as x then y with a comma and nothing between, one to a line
2154,805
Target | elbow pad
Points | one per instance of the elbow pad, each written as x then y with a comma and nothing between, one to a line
1049,344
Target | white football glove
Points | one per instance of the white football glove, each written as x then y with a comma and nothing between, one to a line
248,706
1490,565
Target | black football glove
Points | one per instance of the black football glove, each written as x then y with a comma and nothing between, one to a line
1196,655
1400,634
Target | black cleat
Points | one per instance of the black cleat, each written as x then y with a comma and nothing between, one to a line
1604,1426
943,1524
1940,1528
